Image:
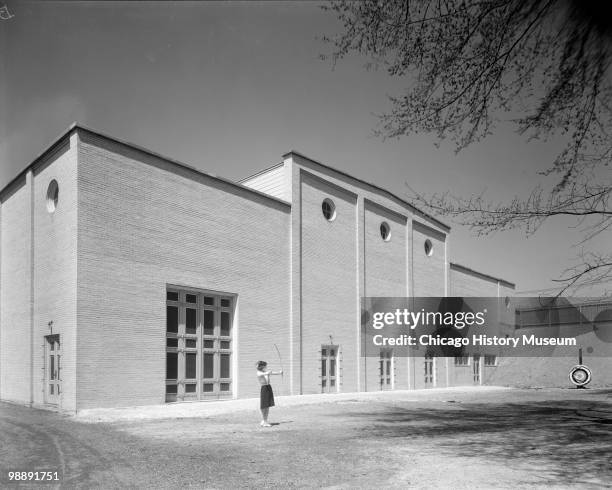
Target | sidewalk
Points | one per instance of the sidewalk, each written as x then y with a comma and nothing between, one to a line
209,408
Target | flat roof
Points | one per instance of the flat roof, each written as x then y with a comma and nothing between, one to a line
462,268
76,126
380,189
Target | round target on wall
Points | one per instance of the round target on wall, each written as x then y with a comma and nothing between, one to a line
580,375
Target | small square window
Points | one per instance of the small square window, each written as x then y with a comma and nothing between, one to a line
191,298
226,303
209,300
172,296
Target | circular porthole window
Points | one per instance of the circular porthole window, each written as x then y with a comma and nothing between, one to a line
329,209
52,196
385,231
428,248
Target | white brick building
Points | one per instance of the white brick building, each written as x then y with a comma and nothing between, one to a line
128,278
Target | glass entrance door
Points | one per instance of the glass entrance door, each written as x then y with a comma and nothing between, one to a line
53,370
198,345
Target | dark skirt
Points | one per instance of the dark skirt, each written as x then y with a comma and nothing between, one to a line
266,398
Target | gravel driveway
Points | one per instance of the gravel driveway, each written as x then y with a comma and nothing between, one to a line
455,438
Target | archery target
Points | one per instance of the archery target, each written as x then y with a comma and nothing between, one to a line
580,375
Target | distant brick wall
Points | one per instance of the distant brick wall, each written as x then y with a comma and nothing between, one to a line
145,223
464,284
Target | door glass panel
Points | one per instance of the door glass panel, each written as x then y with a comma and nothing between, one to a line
225,386
225,366
209,322
190,388
208,300
171,319
190,320
209,344
323,366
208,365
171,365
225,323
171,342
172,296
170,389
190,365
207,388
51,389
332,367
191,298
52,367
226,303
58,367
225,344
191,343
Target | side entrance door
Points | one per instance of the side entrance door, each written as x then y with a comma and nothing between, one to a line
386,369
476,368
329,367
52,369
429,365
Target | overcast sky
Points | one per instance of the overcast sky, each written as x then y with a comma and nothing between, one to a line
229,87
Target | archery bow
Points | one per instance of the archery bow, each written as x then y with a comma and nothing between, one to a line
280,360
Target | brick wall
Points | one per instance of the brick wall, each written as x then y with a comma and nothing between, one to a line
386,270
38,277
15,281
329,281
145,223
380,267
55,269
429,272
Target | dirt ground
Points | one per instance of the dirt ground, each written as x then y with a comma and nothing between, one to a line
442,439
